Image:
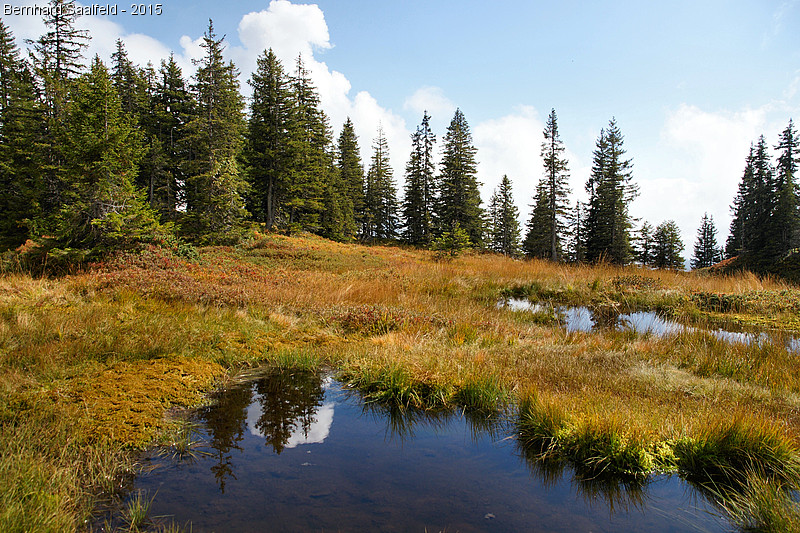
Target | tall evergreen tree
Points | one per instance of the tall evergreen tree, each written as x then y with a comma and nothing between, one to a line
215,186
577,238
783,232
56,59
556,185
667,246
267,148
310,141
130,82
611,190
380,218
753,210
59,51
351,178
10,66
459,199
420,191
104,210
504,216
173,110
22,135
644,249
735,243
538,237
706,250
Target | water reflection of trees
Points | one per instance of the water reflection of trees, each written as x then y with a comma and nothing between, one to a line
288,401
226,419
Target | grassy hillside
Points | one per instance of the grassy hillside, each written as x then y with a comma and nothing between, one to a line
91,363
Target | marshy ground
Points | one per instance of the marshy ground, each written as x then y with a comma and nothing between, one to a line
94,362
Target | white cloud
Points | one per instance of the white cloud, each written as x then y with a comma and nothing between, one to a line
696,167
290,29
104,34
511,146
430,99
297,29
316,433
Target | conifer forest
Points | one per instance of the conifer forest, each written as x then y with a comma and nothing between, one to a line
101,156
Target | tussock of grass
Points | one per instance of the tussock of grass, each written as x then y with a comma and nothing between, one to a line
594,446
395,386
483,394
726,452
137,511
761,505
542,427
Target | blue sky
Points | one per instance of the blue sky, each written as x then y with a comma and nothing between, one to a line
691,83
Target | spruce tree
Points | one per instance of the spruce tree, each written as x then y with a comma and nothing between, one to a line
784,227
215,186
538,237
611,190
420,191
10,66
706,251
667,246
734,245
556,185
56,57
644,248
58,52
504,216
22,136
753,209
380,211
309,143
130,82
576,241
267,141
351,178
173,110
103,210
548,223
459,200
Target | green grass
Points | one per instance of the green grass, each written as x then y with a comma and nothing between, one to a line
596,447
136,513
760,505
726,452
396,387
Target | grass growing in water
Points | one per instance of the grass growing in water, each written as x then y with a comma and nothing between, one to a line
761,505
136,514
595,447
727,452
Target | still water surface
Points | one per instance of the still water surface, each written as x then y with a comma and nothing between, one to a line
295,451
580,318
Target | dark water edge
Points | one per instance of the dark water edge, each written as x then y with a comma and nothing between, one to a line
295,451
581,318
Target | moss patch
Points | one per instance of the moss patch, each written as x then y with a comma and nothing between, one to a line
125,402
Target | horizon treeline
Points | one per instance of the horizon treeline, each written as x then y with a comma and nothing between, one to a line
100,157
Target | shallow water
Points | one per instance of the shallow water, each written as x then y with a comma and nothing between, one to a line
580,318
294,451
